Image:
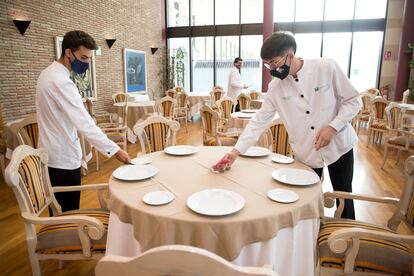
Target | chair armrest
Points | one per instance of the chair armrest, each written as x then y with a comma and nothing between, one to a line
329,200
95,229
98,187
338,242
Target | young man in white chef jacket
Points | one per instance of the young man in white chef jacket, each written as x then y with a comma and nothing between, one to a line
235,84
61,114
316,102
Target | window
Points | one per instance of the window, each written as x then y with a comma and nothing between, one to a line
227,12
309,10
251,11
227,49
251,71
338,47
202,12
203,63
177,12
366,9
339,9
284,10
366,52
181,65
308,45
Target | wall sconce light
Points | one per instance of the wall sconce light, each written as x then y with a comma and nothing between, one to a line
110,42
22,25
154,49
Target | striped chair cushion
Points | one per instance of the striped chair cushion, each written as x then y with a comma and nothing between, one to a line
120,98
226,108
373,254
401,140
32,131
243,103
208,121
254,95
157,136
379,125
166,109
225,141
280,140
29,171
64,238
379,108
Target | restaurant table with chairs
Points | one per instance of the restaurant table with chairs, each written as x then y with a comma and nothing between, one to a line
262,232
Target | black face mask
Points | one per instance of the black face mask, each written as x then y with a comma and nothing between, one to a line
281,72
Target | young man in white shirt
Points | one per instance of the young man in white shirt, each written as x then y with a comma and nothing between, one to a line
61,114
316,102
235,84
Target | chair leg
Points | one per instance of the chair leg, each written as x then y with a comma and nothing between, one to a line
385,156
60,264
398,157
2,164
34,262
97,159
369,136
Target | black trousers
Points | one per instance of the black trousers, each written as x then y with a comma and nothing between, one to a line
341,173
237,107
60,177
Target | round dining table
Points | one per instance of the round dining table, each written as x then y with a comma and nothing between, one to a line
262,232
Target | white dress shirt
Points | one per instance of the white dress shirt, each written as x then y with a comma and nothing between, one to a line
235,84
60,114
322,96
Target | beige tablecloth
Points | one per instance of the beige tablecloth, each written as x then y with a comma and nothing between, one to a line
256,104
197,101
175,223
236,122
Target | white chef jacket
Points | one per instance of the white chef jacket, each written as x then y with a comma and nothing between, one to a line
323,95
60,114
235,84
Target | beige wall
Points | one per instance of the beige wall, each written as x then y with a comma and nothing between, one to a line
392,43
136,24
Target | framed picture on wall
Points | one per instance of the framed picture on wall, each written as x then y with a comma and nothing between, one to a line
85,82
135,71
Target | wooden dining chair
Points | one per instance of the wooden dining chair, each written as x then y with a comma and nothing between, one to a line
119,97
362,118
226,106
180,260
244,101
405,96
212,125
182,110
165,106
349,247
218,87
156,133
280,138
99,117
216,95
178,89
254,95
373,91
72,235
171,93
27,131
397,137
377,123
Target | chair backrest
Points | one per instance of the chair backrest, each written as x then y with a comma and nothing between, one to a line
405,208
218,87
405,96
89,106
366,101
394,114
209,119
157,132
27,175
280,138
373,91
27,131
182,99
226,106
254,95
217,94
165,106
179,89
119,97
171,93
175,260
378,106
244,101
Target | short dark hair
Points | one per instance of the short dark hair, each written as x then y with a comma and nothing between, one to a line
277,44
237,59
74,39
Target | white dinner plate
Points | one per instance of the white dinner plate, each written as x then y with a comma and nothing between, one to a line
282,159
249,111
282,195
295,176
181,150
245,115
215,202
256,152
135,172
158,198
142,160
